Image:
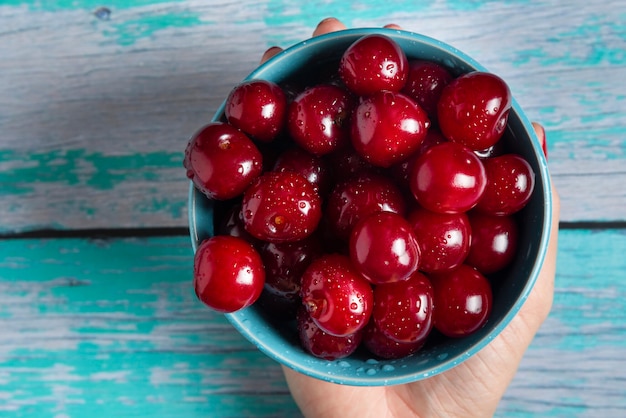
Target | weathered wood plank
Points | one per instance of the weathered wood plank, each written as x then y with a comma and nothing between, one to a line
112,328
95,112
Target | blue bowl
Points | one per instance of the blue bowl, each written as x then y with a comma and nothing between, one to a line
280,342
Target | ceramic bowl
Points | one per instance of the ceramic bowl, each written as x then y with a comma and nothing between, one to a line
279,340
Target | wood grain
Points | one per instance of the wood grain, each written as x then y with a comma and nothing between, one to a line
123,335
95,113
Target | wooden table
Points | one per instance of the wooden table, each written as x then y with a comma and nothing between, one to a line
97,101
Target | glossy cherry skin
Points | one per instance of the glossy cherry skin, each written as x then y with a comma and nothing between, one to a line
321,344
258,108
221,161
346,163
473,109
359,196
315,169
373,63
462,299
425,82
281,207
384,249
228,273
318,118
387,127
377,343
336,296
403,311
444,238
494,242
510,184
448,178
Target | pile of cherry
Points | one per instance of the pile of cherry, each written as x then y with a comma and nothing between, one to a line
372,207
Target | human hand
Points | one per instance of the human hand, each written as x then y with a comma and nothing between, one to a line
471,389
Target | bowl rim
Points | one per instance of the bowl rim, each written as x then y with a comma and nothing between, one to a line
240,319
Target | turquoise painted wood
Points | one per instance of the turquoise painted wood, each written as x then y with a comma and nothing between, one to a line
87,98
97,101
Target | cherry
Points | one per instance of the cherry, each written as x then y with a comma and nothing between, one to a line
318,118
311,167
383,248
285,263
336,296
510,183
281,206
494,242
346,163
425,82
258,108
403,311
228,273
221,161
462,300
473,109
321,344
387,127
448,178
373,63
444,238
382,346
359,196
231,223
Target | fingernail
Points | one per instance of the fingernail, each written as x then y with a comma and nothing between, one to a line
328,19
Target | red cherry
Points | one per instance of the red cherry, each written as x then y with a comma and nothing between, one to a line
494,242
403,311
221,161
387,127
382,346
336,296
228,273
373,63
510,184
425,82
321,344
355,198
448,178
462,299
318,118
258,108
311,167
384,249
444,238
473,109
280,207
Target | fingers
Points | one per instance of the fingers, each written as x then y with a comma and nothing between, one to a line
328,25
270,53
393,26
541,134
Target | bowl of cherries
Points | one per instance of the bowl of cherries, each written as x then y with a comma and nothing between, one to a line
368,207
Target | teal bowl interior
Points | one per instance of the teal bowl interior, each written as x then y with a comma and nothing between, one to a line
308,59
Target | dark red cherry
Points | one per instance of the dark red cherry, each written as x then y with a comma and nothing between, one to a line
321,344
510,184
258,108
361,195
336,296
311,167
373,63
377,343
463,301
473,109
318,118
448,178
403,311
228,273
384,249
221,161
387,127
444,238
425,82
494,242
281,207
